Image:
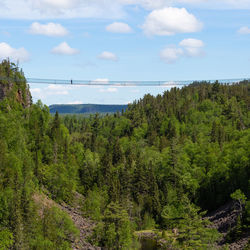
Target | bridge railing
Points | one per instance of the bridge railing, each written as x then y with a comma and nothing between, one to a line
103,82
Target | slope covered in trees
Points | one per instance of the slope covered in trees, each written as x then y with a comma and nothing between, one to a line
159,165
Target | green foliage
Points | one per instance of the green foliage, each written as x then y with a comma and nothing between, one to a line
95,203
159,163
148,221
6,239
54,231
243,219
239,196
187,224
246,217
116,229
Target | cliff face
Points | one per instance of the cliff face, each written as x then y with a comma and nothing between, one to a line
21,95
4,90
24,98
13,84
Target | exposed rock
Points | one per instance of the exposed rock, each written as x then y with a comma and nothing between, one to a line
21,96
240,244
4,90
84,225
224,219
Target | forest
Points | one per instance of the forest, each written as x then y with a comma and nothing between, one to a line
158,166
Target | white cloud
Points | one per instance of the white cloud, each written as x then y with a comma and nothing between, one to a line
214,4
63,4
35,91
48,91
244,30
59,87
6,51
227,4
192,47
169,21
191,42
147,4
52,90
112,90
64,9
171,54
51,9
56,90
49,29
64,49
118,27
188,47
75,102
106,55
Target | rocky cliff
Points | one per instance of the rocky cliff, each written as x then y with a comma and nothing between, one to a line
21,95
13,84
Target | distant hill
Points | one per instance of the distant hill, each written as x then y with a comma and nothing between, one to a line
85,108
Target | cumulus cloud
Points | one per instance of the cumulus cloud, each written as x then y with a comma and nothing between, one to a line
52,90
232,4
50,9
64,4
45,9
49,29
187,48
75,102
56,90
214,4
147,4
192,47
106,55
169,21
20,54
35,91
39,93
118,27
171,54
64,49
244,30
59,87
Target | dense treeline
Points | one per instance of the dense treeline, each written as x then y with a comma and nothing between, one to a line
156,165
188,147
26,136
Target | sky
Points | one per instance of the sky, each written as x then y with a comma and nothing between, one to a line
123,40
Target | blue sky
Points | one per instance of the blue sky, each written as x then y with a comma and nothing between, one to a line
124,40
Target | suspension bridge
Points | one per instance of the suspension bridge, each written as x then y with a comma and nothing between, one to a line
103,82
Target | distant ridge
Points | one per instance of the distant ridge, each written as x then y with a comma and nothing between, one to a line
86,108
